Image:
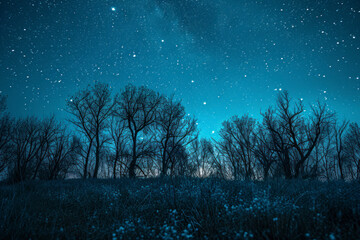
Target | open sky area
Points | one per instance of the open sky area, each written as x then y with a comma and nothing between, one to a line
221,57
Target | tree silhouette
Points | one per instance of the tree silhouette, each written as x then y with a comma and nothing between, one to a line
140,132
26,145
90,110
353,150
294,136
49,130
138,106
62,156
264,151
340,154
5,134
119,140
237,144
175,131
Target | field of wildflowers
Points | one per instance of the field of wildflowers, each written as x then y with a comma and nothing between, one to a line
180,208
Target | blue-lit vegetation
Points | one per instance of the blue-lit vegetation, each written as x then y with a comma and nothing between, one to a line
180,208
144,173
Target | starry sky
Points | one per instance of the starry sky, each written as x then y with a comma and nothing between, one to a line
221,57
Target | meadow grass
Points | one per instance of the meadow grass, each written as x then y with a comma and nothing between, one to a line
180,208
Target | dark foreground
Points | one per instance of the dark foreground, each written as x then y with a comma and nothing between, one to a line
180,209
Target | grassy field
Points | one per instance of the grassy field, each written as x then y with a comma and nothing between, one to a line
180,209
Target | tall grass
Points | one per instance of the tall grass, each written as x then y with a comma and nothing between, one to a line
181,208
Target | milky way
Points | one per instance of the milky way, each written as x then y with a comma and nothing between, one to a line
221,57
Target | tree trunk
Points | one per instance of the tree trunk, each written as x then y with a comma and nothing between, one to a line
115,161
97,156
340,166
37,169
164,169
87,160
299,166
266,172
133,161
287,167
164,160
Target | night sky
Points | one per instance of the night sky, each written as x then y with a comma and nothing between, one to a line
221,57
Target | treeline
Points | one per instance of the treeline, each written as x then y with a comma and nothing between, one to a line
141,133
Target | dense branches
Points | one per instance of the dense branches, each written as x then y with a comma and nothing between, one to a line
140,132
138,108
90,110
294,135
5,135
353,150
174,132
237,144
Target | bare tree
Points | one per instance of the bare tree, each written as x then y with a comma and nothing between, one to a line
264,151
179,165
202,158
101,107
315,131
62,156
5,140
119,139
48,130
138,106
5,135
238,143
81,118
293,133
2,103
90,110
353,150
26,140
280,143
175,131
324,154
340,155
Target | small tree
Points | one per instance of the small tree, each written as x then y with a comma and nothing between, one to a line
353,150
119,138
5,135
138,106
90,110
26,145
340,155
62,157
324,154
175,131
293,133
201,156
2,104
264,151
238,143
48,130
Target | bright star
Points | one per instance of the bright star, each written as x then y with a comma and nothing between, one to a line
113,9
